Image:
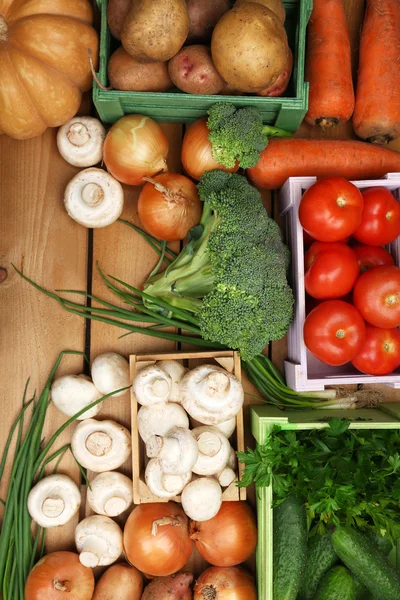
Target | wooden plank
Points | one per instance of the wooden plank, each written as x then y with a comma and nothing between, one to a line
38,236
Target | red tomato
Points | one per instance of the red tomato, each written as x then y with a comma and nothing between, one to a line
380,222
380,354
308,240
331,270
369,257
331,209
377,296
334,332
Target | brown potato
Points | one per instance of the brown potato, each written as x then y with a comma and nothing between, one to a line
203,16
280,85
228,90
193,72
275,5
116,13
126,73
249,47
155,30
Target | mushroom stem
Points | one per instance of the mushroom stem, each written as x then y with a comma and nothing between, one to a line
98,443
3,29
160,387
78,134
115,506
92,194
53,506
226,477
216,383
209,443
160,447
172,482
173,521
93,548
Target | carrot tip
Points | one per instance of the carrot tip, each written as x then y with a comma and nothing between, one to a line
327,122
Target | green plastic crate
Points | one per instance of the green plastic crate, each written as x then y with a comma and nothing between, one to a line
176,107
263,418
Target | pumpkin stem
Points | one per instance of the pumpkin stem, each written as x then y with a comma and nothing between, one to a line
3,29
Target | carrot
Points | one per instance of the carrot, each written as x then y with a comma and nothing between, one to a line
328,66
377,112
295,157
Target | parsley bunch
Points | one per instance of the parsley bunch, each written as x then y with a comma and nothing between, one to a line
344,476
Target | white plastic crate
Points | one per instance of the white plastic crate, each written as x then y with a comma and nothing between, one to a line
303,371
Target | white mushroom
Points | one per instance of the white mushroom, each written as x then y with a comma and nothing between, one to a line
158,419
110,371
80,141
162,484
211,395
98,540
228,474
177,451
214,450
53,501
152,385
227,427
94,198
110,493
101,445
176,371
71,393
202,498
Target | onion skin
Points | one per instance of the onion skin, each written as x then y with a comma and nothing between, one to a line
164,553
135,147
197,151
174,587
229,538
119,582
59,575
230,583
169,216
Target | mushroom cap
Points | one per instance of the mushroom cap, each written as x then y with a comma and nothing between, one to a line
53,501
176,371
94,198
110,371
202,498
161,484
110,493
98,540
227,427
214,450
101,445
177,451
80,141
152,385
71,393
158,419
211,395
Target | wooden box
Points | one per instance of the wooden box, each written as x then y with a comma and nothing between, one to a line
228,360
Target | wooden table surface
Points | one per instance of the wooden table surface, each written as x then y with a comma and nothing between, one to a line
38,236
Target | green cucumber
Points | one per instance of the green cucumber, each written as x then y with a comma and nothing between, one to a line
336,584
371,567
361,592
382,542
290,547
320,558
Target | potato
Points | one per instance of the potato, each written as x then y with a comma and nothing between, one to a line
249,47
155,30
116,13
193,72
126,73
275,5
203,16
228,90
280,85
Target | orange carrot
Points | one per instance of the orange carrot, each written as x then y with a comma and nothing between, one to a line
328,65
295,157
377,112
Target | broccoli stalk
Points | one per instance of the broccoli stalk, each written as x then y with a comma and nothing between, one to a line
237,135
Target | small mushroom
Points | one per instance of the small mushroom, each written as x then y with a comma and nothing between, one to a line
202,498
110,493
228,474
211,395
53,501
71,393
214,450
110,371
176,371
177,451
101,445
98,540
152,385
94,198
158,419
80,141
162,484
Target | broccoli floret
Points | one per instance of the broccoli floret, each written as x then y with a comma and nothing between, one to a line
232,274
238,134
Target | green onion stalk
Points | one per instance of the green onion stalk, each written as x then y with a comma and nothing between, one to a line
20,545
156,317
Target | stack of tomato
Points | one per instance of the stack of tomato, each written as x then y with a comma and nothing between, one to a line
351,280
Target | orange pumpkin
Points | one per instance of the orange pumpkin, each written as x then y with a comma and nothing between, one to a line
44,64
